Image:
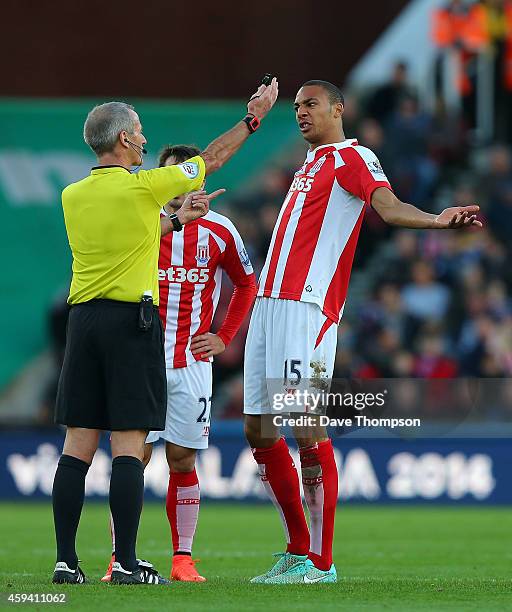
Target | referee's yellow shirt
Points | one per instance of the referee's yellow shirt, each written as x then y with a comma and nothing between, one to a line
113,224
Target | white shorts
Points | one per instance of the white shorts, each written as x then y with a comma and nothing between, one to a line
189,398
289,343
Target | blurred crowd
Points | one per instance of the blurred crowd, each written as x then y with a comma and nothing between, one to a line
474,60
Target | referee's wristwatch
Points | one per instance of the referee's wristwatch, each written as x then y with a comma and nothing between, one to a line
252,122
176,223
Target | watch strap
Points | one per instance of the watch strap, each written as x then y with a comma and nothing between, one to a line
252,122
176,223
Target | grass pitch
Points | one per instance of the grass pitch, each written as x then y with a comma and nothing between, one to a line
387,559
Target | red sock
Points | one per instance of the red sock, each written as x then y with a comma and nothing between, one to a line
281,481
320,483
183,509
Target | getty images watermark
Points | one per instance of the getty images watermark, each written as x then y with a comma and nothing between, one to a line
391,407
306,408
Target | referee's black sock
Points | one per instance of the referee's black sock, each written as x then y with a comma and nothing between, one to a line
68,499
126,495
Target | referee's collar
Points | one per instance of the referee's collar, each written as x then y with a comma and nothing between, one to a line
108,169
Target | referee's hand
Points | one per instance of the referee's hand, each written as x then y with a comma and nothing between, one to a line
263,99
196,205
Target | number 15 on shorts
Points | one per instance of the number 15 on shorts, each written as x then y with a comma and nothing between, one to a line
292,367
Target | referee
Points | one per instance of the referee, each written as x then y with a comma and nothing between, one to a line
113,377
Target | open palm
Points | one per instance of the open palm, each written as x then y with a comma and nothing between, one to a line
457,217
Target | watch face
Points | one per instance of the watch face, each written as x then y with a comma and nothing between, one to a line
253,123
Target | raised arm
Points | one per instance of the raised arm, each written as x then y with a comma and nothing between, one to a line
225,146
396,212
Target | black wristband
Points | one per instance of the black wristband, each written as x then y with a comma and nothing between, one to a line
252,122
176,223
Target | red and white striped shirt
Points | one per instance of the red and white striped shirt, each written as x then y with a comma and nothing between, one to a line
313,244
190,276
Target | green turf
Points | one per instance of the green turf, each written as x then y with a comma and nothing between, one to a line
387,558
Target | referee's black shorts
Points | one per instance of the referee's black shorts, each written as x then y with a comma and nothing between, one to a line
113,375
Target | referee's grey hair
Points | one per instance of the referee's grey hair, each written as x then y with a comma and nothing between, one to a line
105,122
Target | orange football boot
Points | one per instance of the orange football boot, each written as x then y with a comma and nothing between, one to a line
184,569
108,576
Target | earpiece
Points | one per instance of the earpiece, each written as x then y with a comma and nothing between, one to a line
141,150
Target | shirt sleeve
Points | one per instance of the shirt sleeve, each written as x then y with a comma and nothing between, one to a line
360,173
171,181
238,267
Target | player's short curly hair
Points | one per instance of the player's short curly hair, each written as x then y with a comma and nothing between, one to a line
105,122
334,93
180,152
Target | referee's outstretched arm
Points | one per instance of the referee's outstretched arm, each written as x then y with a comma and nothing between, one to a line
218,152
